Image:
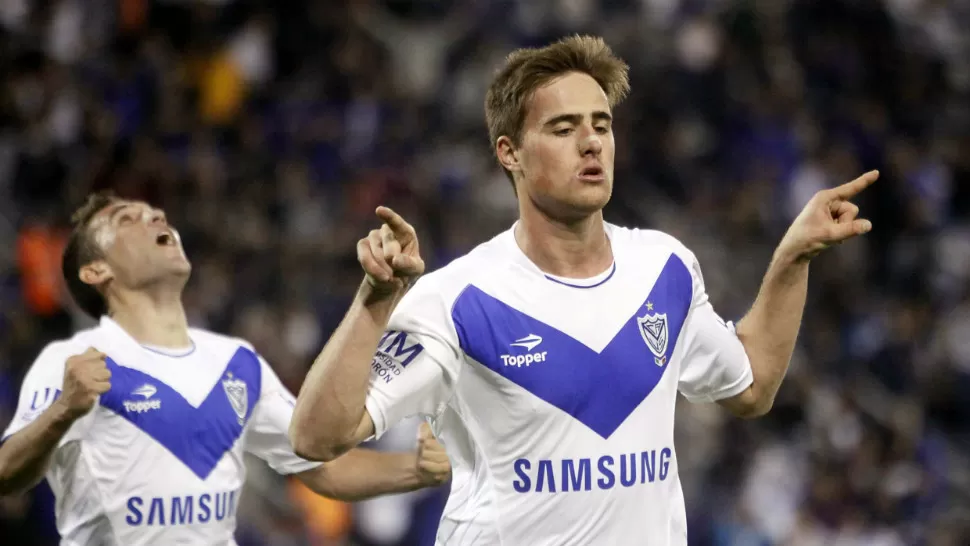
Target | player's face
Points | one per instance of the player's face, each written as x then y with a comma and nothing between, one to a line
138,245
566,156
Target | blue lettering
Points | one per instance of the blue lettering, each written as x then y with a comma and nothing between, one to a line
50,395
181,513
182,509
204,511
134,507
157,507
538,476
624,480
570,477
665,455
545,468
648,466
609,478
396,344
221,511
523,484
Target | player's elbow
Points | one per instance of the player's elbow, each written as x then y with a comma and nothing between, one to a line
750,404
753,411
313,448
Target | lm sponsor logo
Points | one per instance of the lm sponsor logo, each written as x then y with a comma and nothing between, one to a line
395,351
605,472
40,401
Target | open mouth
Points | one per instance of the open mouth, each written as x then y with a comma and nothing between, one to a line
165,239
591,172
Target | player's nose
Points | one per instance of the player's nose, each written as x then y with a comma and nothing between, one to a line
590,143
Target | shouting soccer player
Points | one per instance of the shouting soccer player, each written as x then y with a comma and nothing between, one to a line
141,423
549,358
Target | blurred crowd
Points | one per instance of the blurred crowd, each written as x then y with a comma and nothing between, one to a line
269,131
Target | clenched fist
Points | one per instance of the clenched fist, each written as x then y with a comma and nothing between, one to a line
86,377
829,218
433,465
389,255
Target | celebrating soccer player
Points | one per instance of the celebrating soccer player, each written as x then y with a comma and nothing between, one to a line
549,358
141,423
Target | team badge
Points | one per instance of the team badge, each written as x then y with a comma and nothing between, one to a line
653,329
236,393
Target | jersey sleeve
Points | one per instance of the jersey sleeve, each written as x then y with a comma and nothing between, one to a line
715,365
416,366
268,434
41,387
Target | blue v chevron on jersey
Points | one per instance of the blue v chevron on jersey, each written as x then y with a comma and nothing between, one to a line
197,436
599,389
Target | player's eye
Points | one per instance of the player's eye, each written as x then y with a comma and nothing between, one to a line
125,218
602,129
562,131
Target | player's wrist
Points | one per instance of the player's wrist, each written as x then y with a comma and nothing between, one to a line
373,293
62,412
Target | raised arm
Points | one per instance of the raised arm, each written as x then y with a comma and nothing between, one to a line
26,452
769,330
330,417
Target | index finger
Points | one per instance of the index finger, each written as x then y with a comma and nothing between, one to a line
394,220
92,352
851,189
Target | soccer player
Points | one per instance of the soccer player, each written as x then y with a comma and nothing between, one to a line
549,358
141,423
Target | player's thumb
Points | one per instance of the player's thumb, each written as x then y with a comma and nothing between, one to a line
425,432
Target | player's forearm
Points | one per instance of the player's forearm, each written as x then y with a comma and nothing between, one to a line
770,329
24,457
363,473
330,408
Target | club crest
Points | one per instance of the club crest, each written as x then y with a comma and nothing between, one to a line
653,329
236,393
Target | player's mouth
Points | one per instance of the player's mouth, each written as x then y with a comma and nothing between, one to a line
592,173
166,238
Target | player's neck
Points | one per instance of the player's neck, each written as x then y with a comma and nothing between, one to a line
576,250
156,319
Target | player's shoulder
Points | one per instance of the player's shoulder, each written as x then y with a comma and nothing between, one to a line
651,242
483,261
55,354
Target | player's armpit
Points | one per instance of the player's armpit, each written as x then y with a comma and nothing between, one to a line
365,430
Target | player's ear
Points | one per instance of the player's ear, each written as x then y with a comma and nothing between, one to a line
96,273
507,153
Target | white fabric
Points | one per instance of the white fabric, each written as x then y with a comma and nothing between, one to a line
556,402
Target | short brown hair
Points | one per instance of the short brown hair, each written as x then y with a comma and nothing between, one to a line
528,69
82,249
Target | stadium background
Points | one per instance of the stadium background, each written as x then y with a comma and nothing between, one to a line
270,130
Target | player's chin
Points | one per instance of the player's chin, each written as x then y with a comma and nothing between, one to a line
591,198
176,266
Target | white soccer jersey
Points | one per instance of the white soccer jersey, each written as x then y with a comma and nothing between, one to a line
159,459
554,397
